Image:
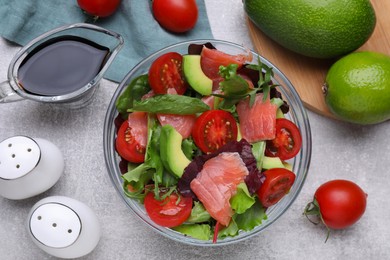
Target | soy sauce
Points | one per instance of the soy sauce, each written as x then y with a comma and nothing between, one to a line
61,66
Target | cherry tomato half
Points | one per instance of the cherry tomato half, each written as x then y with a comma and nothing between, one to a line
278,182
100,8
169,212
287,141
213,129
341,203
176,15
131,138
166,74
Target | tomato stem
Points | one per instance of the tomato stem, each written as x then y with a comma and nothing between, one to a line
90,18
313,209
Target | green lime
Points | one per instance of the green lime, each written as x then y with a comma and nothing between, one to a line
315,28
357,88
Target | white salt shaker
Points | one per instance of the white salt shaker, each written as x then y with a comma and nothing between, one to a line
63,227
28,166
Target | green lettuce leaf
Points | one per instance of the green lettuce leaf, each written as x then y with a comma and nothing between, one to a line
242,200
199,231
230,231
152,168
198,214
251,218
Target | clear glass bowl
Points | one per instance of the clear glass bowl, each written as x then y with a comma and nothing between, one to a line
297,114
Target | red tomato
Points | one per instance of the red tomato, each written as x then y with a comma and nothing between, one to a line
176,15
211,59
278,182
287,142
166,74
213,129
131,138
169,212
100,8
341,203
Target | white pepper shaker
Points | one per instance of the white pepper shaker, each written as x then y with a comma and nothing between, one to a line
63,227
28,166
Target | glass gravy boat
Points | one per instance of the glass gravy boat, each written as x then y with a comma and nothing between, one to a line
64,65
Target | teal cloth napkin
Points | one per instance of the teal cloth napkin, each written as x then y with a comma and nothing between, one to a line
22,20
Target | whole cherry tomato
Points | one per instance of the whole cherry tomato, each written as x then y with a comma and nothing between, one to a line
99,8
175,15
338,204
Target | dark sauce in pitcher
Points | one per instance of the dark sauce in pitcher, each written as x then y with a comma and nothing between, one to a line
61,66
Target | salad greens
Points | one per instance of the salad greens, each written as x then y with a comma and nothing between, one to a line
138,176
236,88
248,211
170,104
151,169
135,91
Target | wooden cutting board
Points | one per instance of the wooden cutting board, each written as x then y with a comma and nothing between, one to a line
308,74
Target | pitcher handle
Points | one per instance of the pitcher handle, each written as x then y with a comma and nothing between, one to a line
7,94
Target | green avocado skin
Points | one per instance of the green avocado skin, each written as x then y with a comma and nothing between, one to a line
314,28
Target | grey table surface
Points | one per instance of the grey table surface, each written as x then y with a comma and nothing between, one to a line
340,150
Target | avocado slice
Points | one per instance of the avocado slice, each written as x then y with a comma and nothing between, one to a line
171,153
272,162
194,75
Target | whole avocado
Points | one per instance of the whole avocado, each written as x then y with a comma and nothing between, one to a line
314,28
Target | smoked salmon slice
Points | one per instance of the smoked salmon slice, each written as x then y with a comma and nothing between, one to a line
182,123
211,59
217,182
138,123
258,122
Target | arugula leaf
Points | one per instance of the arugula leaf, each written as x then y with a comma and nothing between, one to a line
170,104
189,148
134,91
265,78
168,180
236,88
234,84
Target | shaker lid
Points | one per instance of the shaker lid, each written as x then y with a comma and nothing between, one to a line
19,155
55,225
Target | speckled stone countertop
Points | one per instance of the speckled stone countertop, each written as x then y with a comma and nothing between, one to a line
340,150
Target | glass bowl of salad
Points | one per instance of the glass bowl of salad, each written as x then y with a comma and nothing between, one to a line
207,142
